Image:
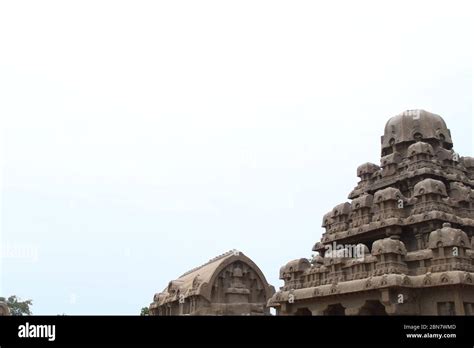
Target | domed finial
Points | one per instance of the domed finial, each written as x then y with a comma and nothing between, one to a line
414,126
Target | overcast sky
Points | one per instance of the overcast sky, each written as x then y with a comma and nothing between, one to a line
141,138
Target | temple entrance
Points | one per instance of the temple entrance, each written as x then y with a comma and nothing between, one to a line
335,309
372,308
303,312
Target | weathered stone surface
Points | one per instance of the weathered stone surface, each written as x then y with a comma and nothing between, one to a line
411,221
4,310
229,284
415,125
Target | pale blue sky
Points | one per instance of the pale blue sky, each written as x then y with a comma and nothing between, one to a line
140,139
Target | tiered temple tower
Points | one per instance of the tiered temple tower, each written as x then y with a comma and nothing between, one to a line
404,245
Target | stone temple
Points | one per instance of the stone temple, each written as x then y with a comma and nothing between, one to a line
404,244
229,284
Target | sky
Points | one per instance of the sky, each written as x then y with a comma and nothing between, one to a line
141,138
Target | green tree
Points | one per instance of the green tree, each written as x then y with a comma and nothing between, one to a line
145,311
17,306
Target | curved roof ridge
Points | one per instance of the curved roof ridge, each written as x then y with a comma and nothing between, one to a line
214,259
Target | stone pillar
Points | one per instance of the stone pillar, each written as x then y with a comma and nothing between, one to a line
419,241
458,303
352,311
317,311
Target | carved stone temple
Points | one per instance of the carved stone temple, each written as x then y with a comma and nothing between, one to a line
229,284
404,244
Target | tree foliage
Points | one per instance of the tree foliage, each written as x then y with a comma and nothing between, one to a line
145,311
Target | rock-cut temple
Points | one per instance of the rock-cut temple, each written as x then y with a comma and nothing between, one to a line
229,284
404,244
